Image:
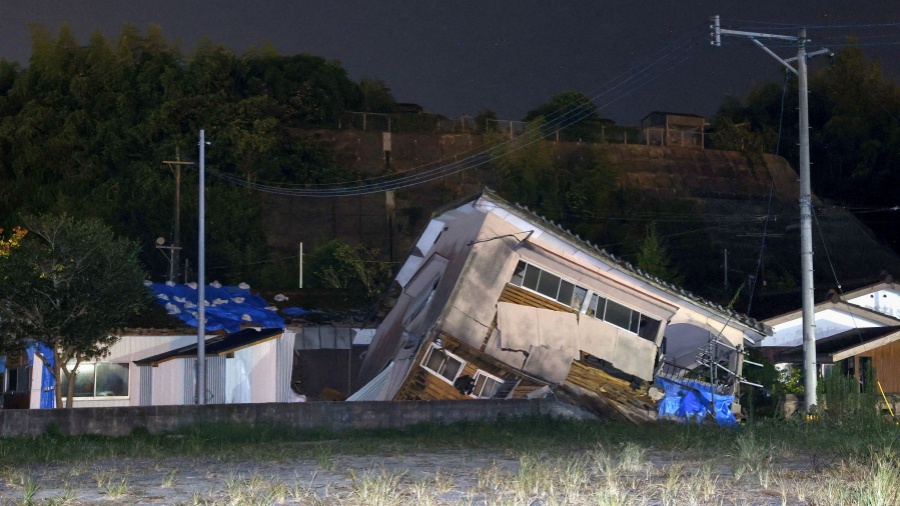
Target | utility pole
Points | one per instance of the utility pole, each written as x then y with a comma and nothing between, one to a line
806,249
175,166
201,278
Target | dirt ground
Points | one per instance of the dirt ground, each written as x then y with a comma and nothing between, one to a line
464,476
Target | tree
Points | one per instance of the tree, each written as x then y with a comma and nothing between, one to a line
68,285
377,97
653,257
337,264
573,113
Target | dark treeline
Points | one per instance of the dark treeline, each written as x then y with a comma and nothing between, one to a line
84,129
854,112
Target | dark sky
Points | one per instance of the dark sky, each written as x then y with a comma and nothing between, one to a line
460,57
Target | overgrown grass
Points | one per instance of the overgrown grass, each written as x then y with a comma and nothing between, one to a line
236,442
830,460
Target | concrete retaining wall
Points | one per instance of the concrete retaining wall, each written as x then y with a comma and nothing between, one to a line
337,416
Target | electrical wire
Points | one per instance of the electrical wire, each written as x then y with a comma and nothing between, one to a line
644,75
762,246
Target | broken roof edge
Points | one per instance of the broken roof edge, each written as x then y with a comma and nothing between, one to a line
595,251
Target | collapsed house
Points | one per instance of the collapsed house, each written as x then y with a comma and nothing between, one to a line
498,302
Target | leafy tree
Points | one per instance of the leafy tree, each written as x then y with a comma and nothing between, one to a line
653,257
573,113
485,121
376,96
337,264
68,285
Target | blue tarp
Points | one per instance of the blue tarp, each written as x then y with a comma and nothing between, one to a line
48,384
294,311
227,307
690,401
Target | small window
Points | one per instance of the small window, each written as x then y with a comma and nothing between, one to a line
548,284
485,385
618,315
443,364
531,277
519,274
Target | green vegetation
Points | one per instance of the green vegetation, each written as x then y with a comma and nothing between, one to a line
68,285
84,130
854,112
514,461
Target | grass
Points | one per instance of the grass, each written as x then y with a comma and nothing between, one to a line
533,461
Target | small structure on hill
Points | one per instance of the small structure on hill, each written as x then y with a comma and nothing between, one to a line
674,129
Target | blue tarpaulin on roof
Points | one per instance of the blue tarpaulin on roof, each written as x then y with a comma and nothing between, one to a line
227,307
692,401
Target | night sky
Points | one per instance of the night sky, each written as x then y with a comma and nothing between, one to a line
461,57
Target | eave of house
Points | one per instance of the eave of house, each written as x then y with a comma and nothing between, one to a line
216,346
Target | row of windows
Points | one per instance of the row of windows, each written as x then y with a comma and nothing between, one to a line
552,286
449,366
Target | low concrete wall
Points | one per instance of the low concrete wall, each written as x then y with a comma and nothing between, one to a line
337,416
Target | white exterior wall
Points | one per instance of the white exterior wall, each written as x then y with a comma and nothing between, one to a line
828,323
254,374
168,383
284,366
125,351
883,301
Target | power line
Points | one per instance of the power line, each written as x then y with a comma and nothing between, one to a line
647,74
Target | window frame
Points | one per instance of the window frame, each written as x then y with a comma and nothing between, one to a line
641,316
489,376
636,317
96,368
448,355
559,286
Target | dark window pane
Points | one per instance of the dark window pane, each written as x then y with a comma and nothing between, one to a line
601,308
451,368
617,314
649,328
485,386
548,285
635,321
112,380
531,277
435,360
518,274
565,292
578,297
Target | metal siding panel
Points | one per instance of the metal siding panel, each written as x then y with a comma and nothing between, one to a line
145,373
189,373
284,367
327,337
344,338
310,339
215,380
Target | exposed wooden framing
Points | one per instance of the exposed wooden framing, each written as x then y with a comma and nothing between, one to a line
524,297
